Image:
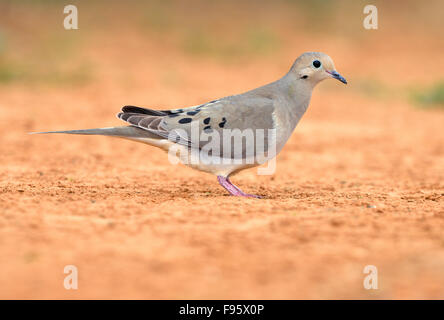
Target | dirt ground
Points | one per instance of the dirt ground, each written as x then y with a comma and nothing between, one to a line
359,183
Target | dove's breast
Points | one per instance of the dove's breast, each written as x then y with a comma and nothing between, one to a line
286,116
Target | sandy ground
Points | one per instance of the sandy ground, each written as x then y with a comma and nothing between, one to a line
359,183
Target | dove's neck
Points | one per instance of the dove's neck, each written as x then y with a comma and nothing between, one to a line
291,101
298,94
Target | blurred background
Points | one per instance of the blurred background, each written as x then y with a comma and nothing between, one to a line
143,47
360,182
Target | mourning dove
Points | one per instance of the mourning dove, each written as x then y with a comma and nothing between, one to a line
272,110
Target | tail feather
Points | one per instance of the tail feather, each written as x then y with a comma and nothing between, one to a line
124,132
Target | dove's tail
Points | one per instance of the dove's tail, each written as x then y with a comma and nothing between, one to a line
122,132
125,132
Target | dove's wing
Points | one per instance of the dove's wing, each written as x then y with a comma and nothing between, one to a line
245,113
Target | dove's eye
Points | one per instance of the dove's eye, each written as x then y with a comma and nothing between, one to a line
316,63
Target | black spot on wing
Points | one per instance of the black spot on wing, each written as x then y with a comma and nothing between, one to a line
207,120
192,113
185,120
222,124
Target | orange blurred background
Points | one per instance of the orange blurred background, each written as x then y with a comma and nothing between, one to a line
360,182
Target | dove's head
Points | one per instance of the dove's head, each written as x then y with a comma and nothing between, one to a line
313,67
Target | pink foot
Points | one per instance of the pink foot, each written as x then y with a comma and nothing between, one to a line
232,189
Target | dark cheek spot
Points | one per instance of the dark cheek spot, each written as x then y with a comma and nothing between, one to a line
304,77
206,120
185,120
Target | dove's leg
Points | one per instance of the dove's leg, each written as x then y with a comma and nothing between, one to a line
232,189
243,193
224,182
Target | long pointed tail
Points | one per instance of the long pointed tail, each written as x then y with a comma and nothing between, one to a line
124,132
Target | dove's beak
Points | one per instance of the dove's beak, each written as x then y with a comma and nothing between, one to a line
335,75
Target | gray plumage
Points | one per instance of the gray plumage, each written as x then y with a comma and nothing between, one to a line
276,106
